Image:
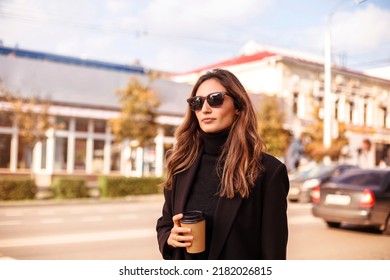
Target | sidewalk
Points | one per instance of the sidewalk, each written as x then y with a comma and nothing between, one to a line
40,202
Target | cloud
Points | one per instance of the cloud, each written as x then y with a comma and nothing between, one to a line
206,19
363,30
360,35
180,35
191,34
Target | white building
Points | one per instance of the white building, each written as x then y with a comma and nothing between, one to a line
82,95
359,100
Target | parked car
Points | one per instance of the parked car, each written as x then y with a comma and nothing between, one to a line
358,197
303,183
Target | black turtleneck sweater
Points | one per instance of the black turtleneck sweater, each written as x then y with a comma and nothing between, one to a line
204,192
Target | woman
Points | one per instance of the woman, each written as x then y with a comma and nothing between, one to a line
218,166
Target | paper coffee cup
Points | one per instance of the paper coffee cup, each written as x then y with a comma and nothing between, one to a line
196,221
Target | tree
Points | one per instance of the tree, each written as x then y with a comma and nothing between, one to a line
314,135
271,119
31,115
138,113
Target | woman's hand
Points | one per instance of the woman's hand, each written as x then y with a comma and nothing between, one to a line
177,237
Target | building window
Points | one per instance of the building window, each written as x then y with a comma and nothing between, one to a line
5,150
5,119
99,126
384,115
149,160
98,156
115,156
365,114
295,103
43,155
62,122
351,108
80,154
24,155
82,125
61,153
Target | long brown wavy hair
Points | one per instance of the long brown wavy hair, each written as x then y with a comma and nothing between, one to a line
239,164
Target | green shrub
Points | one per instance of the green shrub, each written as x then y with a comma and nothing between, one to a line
70,188
15,189
124,186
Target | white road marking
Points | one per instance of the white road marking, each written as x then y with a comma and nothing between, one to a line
52,221
13,213
10,223
92,219
77,211
128,217
105,210
77,238
46,212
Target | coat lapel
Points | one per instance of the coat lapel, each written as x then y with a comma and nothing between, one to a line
224,217
183,186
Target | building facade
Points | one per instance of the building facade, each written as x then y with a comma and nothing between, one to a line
82,98
360,101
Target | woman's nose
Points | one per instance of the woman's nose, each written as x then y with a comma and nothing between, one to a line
206,107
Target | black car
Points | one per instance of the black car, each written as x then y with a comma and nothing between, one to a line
303,183
358,197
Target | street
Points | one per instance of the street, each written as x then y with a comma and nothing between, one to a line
125,230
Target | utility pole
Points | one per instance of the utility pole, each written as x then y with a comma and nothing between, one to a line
328,102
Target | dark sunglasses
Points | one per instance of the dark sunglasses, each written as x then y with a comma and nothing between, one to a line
214,99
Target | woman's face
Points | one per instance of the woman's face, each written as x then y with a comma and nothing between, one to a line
215,119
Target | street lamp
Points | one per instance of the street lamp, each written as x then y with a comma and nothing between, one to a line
327,133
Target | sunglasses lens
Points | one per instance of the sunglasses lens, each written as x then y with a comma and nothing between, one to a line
215,99
195,103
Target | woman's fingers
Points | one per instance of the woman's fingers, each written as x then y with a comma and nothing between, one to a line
179,236
180,240
176,219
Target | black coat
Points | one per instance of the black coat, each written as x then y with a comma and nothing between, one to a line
243,228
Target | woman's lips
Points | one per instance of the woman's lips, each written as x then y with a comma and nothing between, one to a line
208,120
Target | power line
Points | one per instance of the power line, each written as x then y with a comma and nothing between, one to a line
138,33
385,61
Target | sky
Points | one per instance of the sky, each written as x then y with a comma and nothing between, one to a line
183,35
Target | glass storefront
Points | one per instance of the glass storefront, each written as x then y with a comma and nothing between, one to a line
60,153
82,125
99,126
81,139
5,150
115,156
80,154
43,155
24,155
98,156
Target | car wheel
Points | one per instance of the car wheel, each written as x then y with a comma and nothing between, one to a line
386,231
333,224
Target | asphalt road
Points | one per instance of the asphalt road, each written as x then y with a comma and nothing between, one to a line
125,230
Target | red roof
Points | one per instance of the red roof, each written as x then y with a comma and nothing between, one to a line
234,61
264,54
